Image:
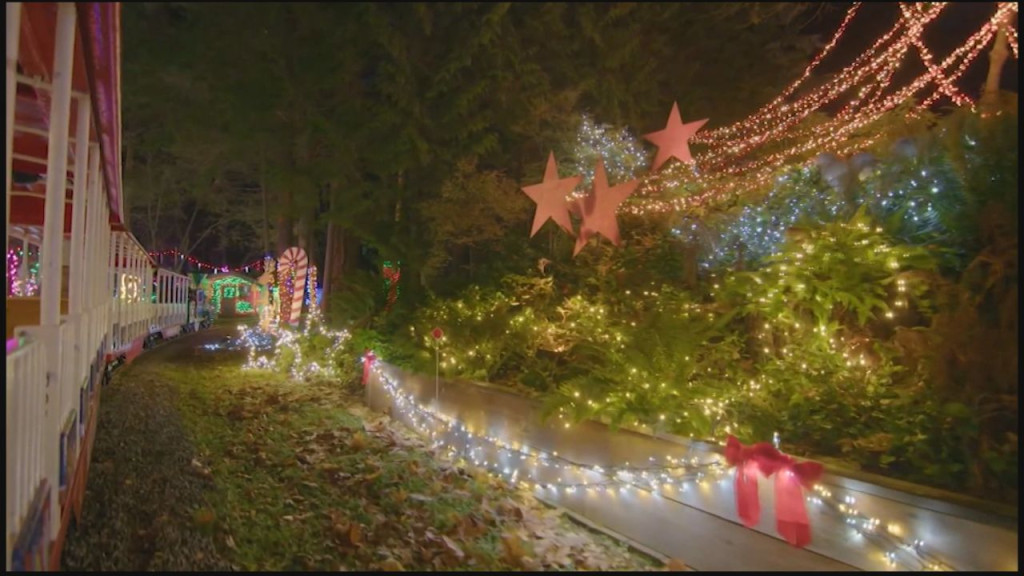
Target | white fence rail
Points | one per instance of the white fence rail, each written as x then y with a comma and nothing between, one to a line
46,373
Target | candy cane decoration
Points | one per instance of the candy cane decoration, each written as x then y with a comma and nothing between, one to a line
292,269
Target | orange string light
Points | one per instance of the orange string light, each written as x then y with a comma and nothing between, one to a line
726,169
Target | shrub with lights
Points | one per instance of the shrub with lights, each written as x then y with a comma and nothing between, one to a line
821,308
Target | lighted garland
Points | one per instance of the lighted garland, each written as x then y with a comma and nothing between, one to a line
453,439
435,425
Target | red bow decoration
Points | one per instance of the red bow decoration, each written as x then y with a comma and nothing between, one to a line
791,477
368,359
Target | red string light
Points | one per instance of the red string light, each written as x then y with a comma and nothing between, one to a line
254,265
727,169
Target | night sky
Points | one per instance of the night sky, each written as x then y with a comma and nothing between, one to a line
947,32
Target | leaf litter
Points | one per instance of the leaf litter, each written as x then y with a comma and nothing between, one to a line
302,476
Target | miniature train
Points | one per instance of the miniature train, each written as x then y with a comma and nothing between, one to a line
82,293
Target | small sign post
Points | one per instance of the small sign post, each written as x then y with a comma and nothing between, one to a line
438,334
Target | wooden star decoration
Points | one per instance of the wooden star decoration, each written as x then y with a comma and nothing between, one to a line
599,207
673,141
550,196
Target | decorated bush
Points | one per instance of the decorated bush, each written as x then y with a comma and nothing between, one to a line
869,318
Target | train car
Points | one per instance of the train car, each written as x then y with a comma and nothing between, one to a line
82,292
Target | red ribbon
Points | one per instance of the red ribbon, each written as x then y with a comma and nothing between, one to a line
791,477
368,359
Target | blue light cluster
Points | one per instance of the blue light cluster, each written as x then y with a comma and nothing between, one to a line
250,339
908,196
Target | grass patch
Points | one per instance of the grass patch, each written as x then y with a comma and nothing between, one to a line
304,482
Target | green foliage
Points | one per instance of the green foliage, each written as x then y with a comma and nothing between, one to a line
663,367
470,221
471,346
818,319
357,300
969,354
850,340
839,274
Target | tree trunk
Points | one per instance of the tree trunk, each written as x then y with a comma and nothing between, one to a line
266,215
329,252
996,59
350,247
284,221
302,232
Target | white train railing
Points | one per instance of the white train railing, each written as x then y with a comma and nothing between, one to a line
47,372
29,431
86,308
172,314
172,300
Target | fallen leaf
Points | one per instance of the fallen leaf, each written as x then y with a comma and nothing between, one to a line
530,563
470,526
358,441
355,535
204,517
391,565
676,565
230,542
453,547
513,548
511,509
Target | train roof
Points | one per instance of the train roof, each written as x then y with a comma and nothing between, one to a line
96,73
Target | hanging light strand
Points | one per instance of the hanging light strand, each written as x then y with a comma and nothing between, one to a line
725,174
255,265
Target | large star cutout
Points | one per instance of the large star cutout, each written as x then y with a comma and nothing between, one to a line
550,197
672,142
598,208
